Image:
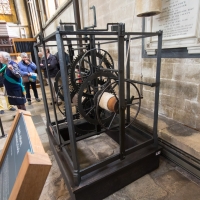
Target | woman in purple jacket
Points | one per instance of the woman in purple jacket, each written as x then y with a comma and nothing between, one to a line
26,67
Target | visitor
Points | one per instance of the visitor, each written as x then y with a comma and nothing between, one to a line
2,89
52,66
41,55
26,68
67,60
12,81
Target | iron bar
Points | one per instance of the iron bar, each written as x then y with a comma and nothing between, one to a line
68,111
107,42
144,83
128,77
150,34
106,38
79,48
88,135
68,159
156,102
55,45
51,91
121,34
51,37
88,32
35,49
99,165
94,64
144,36
139,146
106,69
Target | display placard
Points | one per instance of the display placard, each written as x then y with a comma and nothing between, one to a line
179,23
178,19
23,153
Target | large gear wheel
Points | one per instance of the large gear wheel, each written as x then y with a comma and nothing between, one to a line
59,91
86,95
80,69
132,105
58,85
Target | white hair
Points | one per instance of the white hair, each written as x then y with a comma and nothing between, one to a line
23,54
6,55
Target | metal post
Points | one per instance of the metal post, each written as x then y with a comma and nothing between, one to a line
68,108
51,91
42,85
128,77
2,131
99,51
71,51
93,53
93,67
121,34
156,103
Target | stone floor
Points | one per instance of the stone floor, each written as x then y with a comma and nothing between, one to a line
168,182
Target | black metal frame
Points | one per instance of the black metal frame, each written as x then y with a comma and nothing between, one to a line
122,38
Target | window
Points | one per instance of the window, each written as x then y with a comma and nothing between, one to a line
34,16
5,7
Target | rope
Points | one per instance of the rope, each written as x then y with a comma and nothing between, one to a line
20,97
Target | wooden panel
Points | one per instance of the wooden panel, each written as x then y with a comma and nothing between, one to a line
33,135
35,166
24,40
21,40
31,177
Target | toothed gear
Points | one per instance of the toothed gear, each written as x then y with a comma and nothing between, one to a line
87,92
133,102
59,87
78,73
59,91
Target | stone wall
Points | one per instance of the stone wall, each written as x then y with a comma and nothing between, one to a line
180,78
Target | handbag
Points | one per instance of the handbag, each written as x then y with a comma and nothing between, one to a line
25,79
32,77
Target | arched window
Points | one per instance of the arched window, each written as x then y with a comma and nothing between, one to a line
5,7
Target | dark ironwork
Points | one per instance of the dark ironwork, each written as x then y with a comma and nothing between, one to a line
95,20
83,84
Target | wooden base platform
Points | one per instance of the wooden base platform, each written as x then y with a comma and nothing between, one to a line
111,178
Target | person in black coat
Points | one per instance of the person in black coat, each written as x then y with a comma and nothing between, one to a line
41,55
52,67
2,89
67,60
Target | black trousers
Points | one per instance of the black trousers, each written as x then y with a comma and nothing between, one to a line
27,86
